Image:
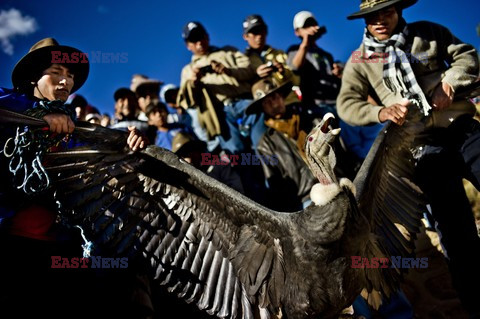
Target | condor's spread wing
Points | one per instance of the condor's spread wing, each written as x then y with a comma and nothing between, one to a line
206,242
388,197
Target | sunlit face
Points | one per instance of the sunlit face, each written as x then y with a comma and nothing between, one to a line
126,108
199,47
56,83
158,118
80,111
144,101
105,122
382,23
256,38
274,106
118,108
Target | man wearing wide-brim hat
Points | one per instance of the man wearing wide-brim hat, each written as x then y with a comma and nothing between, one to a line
289,179
43,79
293,120
419,67
263,92
29,224
49,71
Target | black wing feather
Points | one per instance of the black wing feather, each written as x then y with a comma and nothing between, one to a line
387,195
194,230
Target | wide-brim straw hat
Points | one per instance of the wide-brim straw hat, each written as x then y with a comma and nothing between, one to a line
184,143
40,58
263,89
370,6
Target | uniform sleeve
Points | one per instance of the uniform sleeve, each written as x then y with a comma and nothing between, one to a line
352,105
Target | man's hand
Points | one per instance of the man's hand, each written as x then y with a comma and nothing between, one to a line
442,96
59,123
135,140
395,113
219,68
309,35
196,75
266,69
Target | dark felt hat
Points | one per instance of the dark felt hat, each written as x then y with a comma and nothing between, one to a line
264,88
370,6
42,55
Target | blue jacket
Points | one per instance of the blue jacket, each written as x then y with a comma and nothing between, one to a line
15,101
19,103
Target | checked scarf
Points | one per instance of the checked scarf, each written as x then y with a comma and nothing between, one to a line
398,75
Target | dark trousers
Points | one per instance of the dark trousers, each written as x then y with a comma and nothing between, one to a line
456,155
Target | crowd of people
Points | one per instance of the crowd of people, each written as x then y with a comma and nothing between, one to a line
262,103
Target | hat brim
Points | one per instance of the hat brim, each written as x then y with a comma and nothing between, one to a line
256,106
362,13
191,146
40,59
253,26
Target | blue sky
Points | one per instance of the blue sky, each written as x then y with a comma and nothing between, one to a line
147,34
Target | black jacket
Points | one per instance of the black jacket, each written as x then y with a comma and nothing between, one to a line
289,179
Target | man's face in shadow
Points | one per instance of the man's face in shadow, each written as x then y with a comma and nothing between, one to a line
274,106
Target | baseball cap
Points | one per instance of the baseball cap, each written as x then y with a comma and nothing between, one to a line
193,31
300,19
253,21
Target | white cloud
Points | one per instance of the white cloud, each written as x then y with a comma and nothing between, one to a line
12,23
